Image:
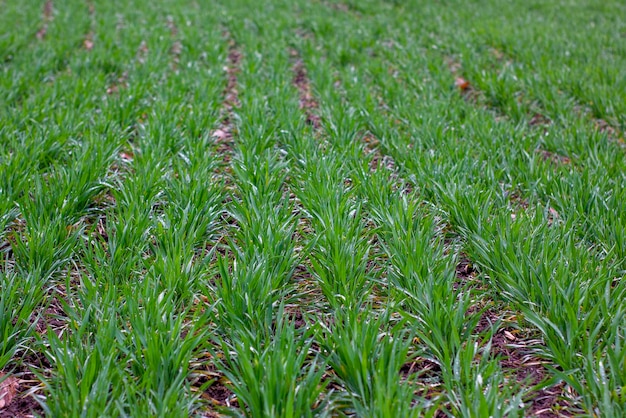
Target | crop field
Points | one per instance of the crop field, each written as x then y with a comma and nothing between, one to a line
303,208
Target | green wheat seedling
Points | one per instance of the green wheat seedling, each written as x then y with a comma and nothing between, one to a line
20,296
433,191
366,352
277,375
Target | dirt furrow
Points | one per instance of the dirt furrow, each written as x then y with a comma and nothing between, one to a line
301,81
88,41
512,345
613,133
225,131
217,395
47,16
177,47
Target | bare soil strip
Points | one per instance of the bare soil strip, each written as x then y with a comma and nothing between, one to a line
342,7
515,349
47,16
177,47
119,83
308,103
217,395
308,297
224,133
15,400
88,42
602,126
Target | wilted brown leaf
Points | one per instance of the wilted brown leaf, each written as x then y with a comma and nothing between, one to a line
553,213
128,156
461,83
8,390
509,336
220,134
41,33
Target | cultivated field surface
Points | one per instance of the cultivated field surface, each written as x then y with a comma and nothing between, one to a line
308,208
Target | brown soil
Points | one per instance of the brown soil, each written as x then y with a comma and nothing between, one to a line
88,41
301,81
53,317
142,52
515,349
519,362
119,84
22,406
46,16
612,132
177,47
221,395
465,269
553,157
223,135
539,120
343,7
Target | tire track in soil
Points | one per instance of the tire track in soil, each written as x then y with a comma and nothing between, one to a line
47,16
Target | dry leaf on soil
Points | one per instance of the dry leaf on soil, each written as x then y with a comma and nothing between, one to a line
462,83
8,390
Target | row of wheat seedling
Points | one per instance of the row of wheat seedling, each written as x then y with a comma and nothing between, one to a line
547,269
268,362
419,277
117,241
